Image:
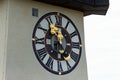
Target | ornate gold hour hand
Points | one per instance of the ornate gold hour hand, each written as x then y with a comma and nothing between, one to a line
60,37
54,29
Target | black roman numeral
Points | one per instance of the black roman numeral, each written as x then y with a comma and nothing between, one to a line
73,34
40,41
68,65
75,45
58,20
74,56
50,63
45,30
49,20
42,53
59,66
67,25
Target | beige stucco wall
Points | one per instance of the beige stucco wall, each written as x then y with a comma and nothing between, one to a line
3,36
21,63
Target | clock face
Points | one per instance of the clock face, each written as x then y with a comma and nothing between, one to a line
57,43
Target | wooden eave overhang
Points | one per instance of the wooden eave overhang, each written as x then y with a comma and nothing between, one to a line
88,7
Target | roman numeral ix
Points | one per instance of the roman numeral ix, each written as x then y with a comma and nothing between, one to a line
40,41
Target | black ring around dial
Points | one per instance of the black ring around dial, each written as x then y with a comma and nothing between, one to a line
55,46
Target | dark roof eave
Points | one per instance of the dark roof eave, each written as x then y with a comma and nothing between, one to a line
87,9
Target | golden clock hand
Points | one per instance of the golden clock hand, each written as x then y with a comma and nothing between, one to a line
63,53
60,48
60,37
54,29
67,58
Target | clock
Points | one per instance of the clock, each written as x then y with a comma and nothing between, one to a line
57,43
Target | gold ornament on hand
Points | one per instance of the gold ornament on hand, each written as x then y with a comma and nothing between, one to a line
61,51
54,29
67,58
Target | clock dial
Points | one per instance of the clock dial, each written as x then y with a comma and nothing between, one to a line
57,43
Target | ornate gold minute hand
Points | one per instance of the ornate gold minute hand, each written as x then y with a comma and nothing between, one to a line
61,49
67,58
63,53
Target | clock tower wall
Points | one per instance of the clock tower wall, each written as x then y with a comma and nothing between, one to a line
21,62
3,36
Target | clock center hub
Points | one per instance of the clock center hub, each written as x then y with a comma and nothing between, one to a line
56,45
